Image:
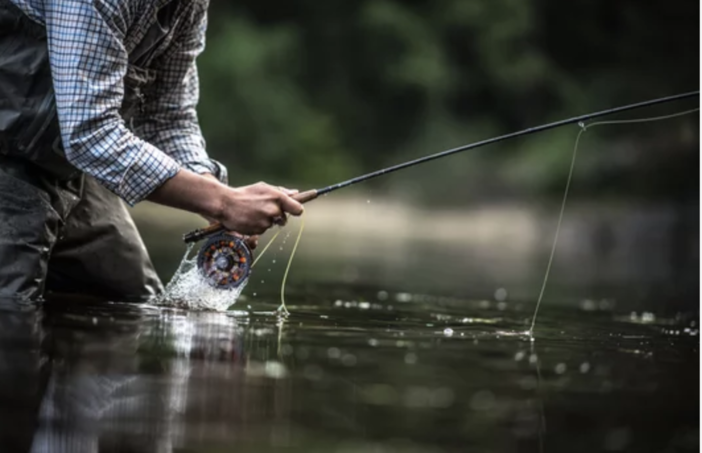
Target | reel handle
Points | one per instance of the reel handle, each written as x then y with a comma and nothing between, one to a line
202,233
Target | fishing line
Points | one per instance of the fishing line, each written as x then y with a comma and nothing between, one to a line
583,128
266,248
282,307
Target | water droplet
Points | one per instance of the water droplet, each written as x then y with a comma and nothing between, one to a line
448,332
273,261
254,294
263,281
383,295
584,367
588,305
368,201
373,342
501,295
403,297
519,356
333,353
561,368
410,358
275,370
648,317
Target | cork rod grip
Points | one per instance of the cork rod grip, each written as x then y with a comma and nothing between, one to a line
202,233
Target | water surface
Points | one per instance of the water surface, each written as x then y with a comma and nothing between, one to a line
351,370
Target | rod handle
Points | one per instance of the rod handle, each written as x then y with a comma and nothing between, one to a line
202,233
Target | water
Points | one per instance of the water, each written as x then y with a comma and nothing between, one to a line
187,289
352,369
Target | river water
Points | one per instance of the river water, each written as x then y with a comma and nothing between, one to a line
353,369
406,335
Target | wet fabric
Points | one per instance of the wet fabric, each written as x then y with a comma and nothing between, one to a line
68,237
23,375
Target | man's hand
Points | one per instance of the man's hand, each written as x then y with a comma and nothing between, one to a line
249,210
251,241
254,209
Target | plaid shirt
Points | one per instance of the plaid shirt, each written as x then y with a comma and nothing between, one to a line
89,45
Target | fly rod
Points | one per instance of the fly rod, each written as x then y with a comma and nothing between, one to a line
309,195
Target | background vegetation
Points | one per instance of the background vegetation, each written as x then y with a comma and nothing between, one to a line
306,93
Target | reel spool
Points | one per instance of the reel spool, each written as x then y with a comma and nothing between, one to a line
224,261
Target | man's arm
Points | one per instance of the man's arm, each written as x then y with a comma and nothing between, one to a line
88,63
247,210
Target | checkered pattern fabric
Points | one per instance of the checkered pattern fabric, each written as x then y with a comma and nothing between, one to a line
89,46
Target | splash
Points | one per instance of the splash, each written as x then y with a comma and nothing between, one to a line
187,289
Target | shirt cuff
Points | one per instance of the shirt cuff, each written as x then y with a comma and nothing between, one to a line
150,169
209,166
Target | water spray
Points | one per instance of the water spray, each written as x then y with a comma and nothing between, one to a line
225,261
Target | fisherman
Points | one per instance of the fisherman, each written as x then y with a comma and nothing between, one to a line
97,108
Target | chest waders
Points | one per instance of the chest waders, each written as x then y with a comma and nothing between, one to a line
60,231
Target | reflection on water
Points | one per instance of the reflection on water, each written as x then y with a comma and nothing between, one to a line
370,371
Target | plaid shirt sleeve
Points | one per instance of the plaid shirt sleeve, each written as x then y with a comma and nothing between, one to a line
88,63
169,117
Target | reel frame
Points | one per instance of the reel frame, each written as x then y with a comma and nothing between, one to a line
224,261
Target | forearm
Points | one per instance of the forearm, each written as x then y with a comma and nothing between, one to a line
199,194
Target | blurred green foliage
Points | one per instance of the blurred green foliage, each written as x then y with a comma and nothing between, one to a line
307,93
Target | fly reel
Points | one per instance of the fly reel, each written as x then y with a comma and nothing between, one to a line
224,261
